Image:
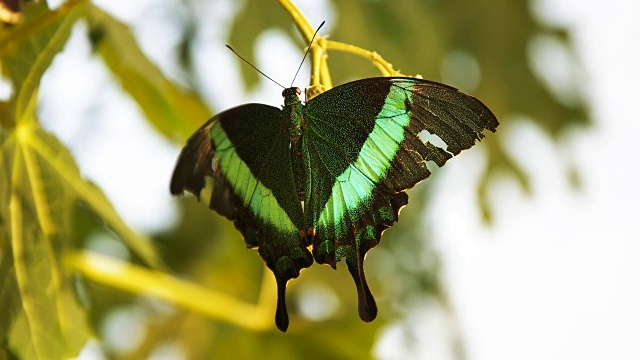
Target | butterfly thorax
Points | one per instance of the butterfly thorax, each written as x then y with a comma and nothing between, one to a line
293,117
292,111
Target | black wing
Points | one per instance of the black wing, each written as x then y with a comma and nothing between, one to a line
363,150
247,154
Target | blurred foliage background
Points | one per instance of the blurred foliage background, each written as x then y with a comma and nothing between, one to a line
195,291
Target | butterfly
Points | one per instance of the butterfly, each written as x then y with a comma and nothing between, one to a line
322,180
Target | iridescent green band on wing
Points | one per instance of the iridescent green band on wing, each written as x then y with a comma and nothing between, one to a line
250,190
353,188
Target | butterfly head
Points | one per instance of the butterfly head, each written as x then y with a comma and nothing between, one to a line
291,95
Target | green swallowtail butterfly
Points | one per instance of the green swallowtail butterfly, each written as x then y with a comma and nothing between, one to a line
323,180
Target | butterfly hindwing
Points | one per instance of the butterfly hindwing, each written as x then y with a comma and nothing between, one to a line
363,148
246,152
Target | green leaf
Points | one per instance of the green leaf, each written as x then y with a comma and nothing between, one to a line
40,317
174,111
37,199
40,186
28,50
66,170
40,314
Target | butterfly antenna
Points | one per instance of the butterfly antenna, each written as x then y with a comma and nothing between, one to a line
305,54
250,64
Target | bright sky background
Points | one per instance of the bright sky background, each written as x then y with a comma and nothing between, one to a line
557,276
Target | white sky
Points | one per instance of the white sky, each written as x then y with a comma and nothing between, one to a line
557,276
